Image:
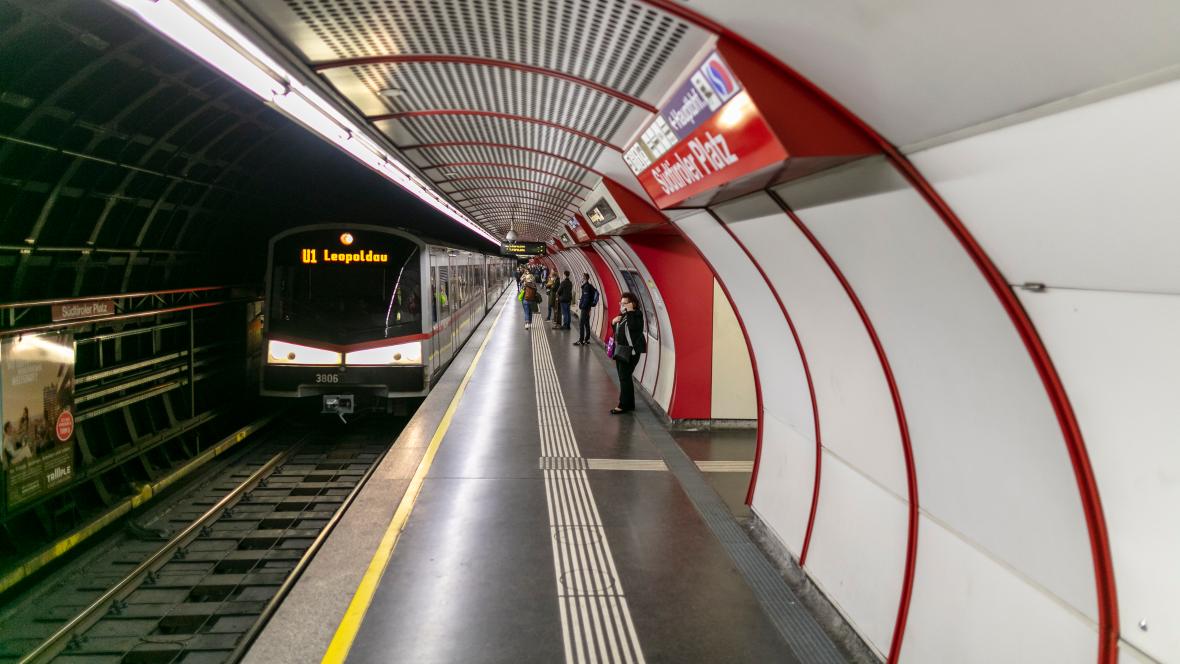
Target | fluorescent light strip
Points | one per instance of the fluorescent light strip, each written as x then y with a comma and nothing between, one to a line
199,29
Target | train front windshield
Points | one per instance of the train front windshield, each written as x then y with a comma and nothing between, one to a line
344,288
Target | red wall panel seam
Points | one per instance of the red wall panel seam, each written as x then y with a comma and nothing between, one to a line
903,428
810,387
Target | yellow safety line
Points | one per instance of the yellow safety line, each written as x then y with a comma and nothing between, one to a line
146,493
350,624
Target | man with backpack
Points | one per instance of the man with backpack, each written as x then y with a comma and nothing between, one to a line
587,301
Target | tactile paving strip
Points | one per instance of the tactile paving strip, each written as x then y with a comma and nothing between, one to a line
784,609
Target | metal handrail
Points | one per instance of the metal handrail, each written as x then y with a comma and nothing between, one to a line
45,327
115,296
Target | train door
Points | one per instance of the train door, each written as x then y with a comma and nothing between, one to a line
439,307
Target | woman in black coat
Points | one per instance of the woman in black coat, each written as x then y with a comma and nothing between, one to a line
630,343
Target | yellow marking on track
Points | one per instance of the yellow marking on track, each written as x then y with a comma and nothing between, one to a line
145,494
350,624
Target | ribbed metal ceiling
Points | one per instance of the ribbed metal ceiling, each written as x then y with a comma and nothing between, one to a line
512,107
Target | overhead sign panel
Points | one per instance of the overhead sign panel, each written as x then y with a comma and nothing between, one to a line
709,133
524,249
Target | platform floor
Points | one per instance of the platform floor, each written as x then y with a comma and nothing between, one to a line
548,530
520,549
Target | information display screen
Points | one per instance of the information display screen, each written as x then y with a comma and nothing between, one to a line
524,249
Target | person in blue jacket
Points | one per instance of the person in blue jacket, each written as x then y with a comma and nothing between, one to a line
586,301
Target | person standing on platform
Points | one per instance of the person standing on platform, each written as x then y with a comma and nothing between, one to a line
528,296
630,343
586,301
565,297
552,313
550,297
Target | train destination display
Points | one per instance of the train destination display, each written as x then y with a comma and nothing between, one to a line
524,249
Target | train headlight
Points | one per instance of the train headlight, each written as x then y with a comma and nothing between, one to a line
281,352
407,353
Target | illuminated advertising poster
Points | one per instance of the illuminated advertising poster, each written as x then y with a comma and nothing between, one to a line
709,133
577,230
36,403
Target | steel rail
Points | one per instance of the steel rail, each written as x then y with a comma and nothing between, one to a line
61,639
268,611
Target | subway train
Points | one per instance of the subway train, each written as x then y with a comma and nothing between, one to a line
365,315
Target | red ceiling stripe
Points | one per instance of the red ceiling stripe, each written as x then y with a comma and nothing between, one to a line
514,199
499,164
494,114
509,179
510,191
485,62
515,208
505,146
518,204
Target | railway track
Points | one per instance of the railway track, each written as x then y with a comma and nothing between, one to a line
229,549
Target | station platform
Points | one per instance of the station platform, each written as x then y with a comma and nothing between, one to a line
516,520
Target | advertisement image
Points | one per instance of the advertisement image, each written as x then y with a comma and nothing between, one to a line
36,407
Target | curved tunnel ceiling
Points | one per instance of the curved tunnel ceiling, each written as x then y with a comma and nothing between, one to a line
529,102
126,164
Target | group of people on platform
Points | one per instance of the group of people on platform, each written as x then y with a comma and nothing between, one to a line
627,342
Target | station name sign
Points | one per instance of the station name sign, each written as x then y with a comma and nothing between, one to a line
313,256
709,133
89,309
524,249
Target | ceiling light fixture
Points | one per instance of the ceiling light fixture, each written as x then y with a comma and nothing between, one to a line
196,27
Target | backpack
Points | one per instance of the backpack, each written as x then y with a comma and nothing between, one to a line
594,297
530,294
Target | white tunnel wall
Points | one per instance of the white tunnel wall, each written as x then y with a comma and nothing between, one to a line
858,544
786,463
1002,537
1084,201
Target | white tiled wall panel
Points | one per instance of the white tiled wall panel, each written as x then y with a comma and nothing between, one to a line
990,459
1086,198
1119,357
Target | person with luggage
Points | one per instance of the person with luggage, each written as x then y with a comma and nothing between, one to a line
529,298
565,297
586,301
629,343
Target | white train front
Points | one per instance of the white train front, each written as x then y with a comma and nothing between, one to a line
370,312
